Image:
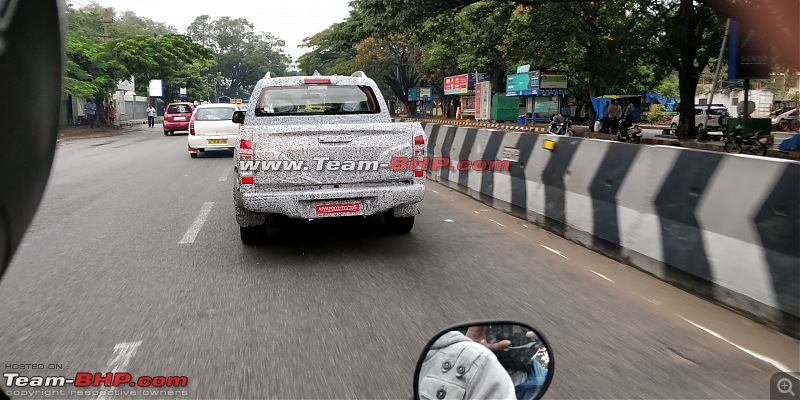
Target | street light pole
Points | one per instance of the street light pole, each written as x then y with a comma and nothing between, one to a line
704,135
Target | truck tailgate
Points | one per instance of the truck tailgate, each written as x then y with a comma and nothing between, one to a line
330,154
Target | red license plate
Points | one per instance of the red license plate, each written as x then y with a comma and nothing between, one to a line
338,208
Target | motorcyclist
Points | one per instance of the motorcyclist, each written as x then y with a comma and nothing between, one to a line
456,367
557,125
630,109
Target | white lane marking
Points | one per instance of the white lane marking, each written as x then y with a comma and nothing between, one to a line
602,276
224,176
525,226
554,251
123,352
656,302
476,212
191,234
763,358
496,222
448,220
434,191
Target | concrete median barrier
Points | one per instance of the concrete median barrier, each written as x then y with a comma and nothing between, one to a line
724,226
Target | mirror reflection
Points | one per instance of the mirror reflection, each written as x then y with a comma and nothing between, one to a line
505,361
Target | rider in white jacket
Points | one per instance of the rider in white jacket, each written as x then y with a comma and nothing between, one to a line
458,368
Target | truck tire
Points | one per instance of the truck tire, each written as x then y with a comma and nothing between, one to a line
397,224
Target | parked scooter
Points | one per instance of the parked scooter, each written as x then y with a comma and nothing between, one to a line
630,132
561,125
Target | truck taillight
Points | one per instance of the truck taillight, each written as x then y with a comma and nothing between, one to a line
419,155
247,180
245,149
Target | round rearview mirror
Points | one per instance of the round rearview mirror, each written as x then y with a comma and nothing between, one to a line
485,360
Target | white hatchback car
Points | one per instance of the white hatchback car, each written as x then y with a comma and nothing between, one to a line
212,128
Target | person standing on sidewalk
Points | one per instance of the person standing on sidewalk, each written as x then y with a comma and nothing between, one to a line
606,120
112,112
151,116
91,113
613,109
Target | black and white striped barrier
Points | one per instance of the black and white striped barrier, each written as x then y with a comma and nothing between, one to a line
725,226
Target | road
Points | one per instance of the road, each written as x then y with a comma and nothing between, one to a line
335,309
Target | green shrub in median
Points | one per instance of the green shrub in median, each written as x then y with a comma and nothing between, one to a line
657,111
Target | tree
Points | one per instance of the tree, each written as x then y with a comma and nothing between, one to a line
691,36
243,55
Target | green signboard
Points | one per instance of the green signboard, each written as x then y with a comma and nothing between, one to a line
525,81
545,104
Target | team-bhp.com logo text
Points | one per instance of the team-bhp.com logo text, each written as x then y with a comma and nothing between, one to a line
396,164
94,384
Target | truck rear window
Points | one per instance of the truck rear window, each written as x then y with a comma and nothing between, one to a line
316,100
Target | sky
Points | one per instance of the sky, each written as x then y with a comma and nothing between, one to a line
290,20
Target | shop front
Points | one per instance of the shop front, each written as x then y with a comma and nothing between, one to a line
426,101
465,86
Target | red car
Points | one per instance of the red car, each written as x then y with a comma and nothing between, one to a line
176,117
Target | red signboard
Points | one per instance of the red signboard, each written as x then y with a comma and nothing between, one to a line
456,82
478,94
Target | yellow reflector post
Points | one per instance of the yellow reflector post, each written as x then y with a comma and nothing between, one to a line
549,144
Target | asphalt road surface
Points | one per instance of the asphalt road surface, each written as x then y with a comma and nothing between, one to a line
334,309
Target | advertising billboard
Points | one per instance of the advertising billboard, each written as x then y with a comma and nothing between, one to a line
155,88
483,103
464,83
553,80
748,54
456,84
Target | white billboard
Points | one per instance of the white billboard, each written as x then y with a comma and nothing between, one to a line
156,88
483,101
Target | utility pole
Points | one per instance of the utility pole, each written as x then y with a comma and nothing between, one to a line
704,135
107,20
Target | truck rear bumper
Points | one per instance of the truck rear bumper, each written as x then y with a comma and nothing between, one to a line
326,203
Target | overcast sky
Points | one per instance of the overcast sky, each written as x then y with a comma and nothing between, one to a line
290,20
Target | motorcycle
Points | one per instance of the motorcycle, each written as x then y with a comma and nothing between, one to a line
449,366
629,132
561,128
739,142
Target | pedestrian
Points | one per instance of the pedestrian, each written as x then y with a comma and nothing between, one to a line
91,113
151,116
606,120
612,116
112,112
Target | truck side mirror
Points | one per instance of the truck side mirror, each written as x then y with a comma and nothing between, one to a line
238,117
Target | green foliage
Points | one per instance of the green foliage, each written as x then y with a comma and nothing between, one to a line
243,55
669,87
103,48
